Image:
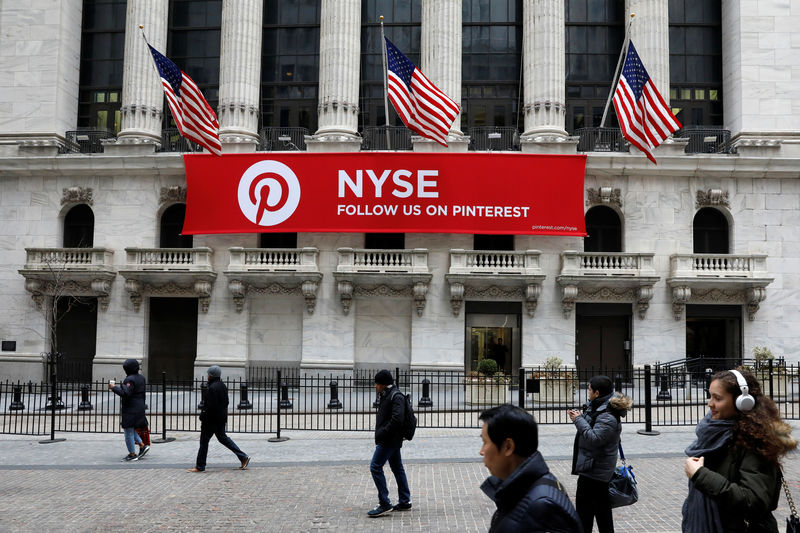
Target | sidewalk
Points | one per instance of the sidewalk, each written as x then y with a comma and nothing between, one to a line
315,481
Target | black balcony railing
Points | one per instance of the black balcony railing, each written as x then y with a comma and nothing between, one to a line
172,141
85,141
493,138
284,138
601,140
375,138
706,139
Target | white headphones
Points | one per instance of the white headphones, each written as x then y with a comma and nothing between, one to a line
744,402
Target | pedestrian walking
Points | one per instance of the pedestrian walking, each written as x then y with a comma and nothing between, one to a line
594,455
213,418
132,405
734,465
388,441
528,496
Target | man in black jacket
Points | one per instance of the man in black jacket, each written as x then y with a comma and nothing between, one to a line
213,418
132,406
528,497
388,441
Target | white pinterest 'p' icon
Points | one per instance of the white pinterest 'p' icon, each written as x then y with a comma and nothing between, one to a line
269,192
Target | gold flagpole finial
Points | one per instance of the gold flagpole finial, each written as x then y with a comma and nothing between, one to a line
141,26
381,18
633,15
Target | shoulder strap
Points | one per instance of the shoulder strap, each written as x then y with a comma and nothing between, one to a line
789,499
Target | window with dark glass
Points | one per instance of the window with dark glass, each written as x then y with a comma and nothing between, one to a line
102,54
290,64
385,241
172,226
604,230
491,62
193,44
402,27
277,240
710,231
594,33
695,61
79,227
493,242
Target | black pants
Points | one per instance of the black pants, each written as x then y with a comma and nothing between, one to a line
205,435
591,501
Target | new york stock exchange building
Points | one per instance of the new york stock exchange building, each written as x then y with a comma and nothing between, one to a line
324,240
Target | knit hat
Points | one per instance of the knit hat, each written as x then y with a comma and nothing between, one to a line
214,371
384,377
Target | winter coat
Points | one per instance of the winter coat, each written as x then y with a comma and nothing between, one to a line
390,418
214,414
132,396
523,505
596,442
745,486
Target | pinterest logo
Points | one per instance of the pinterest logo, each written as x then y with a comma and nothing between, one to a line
269,192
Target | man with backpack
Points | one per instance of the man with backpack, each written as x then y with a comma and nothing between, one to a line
390,428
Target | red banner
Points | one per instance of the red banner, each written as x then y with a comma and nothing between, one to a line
385,192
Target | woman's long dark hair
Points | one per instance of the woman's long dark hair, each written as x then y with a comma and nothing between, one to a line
760,430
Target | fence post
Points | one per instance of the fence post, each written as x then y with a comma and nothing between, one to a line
521,388
55,400
648,405
16,403
85,404
334,403
771,381
425,401
244,403
163,438
277,437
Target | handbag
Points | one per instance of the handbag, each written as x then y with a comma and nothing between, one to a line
793,522
622,487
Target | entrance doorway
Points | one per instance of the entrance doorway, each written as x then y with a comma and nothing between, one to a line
76,332
714,335
493,332
602,339
172,343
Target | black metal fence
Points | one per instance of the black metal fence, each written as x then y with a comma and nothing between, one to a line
85,141
274,399
283,138
493,138
706,139
602,140
173,141
375,138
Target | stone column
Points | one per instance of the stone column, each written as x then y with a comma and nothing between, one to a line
339,62
650,35
543,58
240,74
142,93
441,63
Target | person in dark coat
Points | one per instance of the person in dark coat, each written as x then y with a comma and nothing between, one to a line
213,418
595,451
388,441
132,405
528,497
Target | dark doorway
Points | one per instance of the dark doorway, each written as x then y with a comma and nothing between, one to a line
172,344
172,226
710,232
277,240
714,336
602,339
604,230
79,227
493,332
76,334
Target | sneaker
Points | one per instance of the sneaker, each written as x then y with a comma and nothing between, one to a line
402,507
195,469
143,451
131,457
245,462
379,511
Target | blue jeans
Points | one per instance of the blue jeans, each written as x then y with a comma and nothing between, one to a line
379,458
131,439
205,436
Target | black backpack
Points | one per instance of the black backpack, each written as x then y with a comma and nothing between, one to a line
409,419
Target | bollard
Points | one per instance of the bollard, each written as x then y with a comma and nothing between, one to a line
285,402
664,394
334,403
425,401
163,438
85,404
16,403
277,437
648,405
244,403
618,383
708,382
59,403
203,391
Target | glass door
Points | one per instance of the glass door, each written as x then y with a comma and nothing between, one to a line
493,336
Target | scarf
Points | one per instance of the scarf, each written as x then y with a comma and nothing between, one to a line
700,513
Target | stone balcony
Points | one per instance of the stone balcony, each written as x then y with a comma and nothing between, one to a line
169,272
496,274
273,271
606,277
718,278
365,273
69,272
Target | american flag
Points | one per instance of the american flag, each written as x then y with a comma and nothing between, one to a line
195,119
424,108
644,116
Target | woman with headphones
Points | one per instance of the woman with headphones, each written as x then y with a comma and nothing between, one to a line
734,465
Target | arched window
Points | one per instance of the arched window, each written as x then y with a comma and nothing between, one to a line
277,240
386,241
493,242
171,227
79,227
710,232
604,230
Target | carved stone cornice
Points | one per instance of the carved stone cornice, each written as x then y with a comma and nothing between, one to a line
99,288
77,195
172,195
197,286
712,198
461,290
239,289
638,291
604,196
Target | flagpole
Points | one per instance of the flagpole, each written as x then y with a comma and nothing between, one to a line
622,54
385,88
